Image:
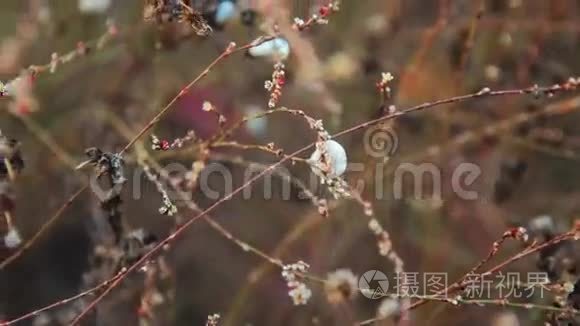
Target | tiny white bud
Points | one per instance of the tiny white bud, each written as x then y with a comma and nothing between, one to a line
12,239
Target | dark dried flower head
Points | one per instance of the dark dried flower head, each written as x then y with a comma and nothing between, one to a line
10,158
164,11
248,17
111,163
341,286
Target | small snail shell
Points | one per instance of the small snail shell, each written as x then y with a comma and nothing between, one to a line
278,48
337,156
225,11
94,6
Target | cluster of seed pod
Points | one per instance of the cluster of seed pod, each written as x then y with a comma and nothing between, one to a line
274,86
292,273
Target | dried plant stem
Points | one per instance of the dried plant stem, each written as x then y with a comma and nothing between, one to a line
10,170
8,218
427,40
470,38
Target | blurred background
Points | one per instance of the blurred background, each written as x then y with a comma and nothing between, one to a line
126,69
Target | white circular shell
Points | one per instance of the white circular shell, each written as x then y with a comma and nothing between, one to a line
337,155
226,10
94,6
277,48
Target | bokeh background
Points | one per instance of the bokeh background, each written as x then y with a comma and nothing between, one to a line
435,49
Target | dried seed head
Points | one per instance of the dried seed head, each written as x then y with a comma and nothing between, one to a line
300,294
213,320
341,286
12,239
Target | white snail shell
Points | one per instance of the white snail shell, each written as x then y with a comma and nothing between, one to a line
226,10
278,48
337,156
94,6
